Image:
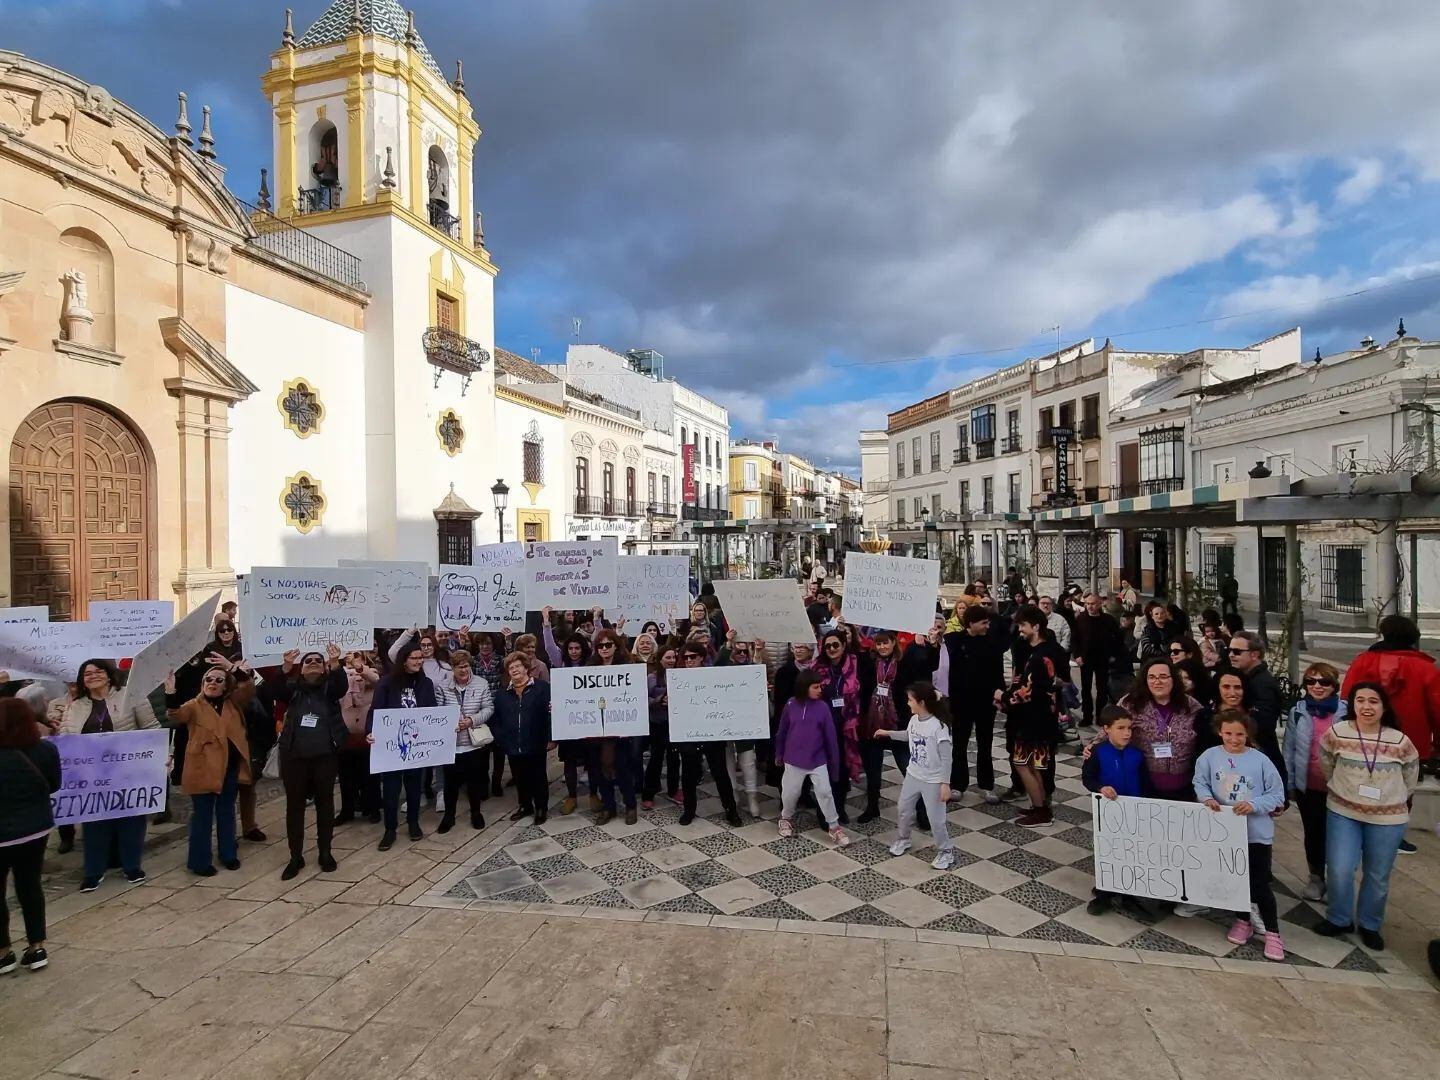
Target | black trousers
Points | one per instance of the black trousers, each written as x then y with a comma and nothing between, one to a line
494,759
1090,704
1312,820
25,861
359,791
532,786
1261,894
872,754
982,720
390,785
467,771
313,776
662,753
713,756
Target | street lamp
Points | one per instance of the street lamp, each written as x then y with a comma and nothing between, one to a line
650,511
501,491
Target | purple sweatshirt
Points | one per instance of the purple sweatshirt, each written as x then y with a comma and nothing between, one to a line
806,737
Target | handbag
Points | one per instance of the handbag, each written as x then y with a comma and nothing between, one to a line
481,736
272,764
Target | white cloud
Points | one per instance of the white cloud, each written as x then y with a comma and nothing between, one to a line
1363,181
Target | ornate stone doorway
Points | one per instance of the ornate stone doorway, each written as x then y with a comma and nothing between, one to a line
79,510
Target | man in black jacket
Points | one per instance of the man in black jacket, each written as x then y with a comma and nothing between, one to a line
1095,641
310,741
977,673
1262,695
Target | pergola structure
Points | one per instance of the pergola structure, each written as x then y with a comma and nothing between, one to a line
1260,500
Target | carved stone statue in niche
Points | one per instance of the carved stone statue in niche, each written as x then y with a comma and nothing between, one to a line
78,318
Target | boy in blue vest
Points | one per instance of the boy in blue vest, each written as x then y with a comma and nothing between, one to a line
1115,768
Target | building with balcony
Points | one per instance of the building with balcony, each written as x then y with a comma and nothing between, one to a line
607,453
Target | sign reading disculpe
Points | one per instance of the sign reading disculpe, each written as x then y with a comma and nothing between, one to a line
115,775
891,593
413,738
1172,851
589,702
718,703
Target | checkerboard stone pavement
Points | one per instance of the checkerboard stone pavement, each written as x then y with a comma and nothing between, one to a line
1007,882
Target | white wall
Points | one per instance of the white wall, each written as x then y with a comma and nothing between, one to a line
512,421
272,343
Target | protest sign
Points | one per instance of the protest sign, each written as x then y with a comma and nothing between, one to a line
308,608
488,595
115,775
710,704
1176,851
46,651
570,574
12,615
891,593
587,702
168,653
413,738
124,627
402,592
650,587
768,609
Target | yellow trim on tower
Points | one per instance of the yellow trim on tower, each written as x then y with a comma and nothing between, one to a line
462,181
355,159
285,182
396,207
452,285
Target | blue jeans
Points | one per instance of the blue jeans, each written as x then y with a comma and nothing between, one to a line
127,832
1352,845
390,784
215,811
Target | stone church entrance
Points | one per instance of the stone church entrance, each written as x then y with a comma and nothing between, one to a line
79,510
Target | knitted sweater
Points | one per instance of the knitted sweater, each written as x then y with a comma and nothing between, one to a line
1386,761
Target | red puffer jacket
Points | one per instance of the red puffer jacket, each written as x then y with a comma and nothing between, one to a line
1412,681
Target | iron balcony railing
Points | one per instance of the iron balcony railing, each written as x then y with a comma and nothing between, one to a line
304,249
961,455
701,513
314,200
1013,444
1090,427
441,220
985,449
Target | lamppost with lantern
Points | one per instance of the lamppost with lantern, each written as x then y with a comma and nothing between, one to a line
501,492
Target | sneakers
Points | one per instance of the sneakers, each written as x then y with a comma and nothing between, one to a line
1315,888
90,884
136,877
388,840
34,958
786,829
1240,931
568,804
1189,911
840,837
943,860
1372,940
1011,794
1037,817
1407,848
631,816
990,796
1274,946
1099,904
899,847
292,869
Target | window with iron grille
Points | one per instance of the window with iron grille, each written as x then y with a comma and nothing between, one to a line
964,495
456,542
935,507
1217,562
987,494
1047,555
533,449
900,461
1014,492
1162,459
900,511
582,477
934,451
1079,557
915,454
1342,577
607,490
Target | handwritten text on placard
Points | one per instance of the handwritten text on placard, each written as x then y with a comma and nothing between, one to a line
891,593
570,574
1172,851
588,702
711,704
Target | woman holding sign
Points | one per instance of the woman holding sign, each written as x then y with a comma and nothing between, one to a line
713,754
471,695
614,760
29,775
406,687
94,703
217,759
840,675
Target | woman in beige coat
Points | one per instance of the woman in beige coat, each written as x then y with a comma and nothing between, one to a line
95,708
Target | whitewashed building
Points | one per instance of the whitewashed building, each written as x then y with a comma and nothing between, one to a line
533,450
874,480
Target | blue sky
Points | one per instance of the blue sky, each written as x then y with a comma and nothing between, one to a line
789,199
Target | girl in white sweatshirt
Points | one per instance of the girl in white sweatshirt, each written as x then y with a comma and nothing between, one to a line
927,776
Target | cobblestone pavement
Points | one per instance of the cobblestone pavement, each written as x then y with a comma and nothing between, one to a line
373,971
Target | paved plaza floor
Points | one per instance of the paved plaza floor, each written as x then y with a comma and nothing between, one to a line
697,952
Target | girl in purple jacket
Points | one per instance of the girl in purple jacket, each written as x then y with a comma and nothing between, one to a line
806,743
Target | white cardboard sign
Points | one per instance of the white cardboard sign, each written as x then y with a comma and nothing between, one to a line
710,704
300,607
124,627
46,651
488,595
766,609
1166,850
590,702
402,592
167,653
413,738
891,593
578,574
651,587
9,616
